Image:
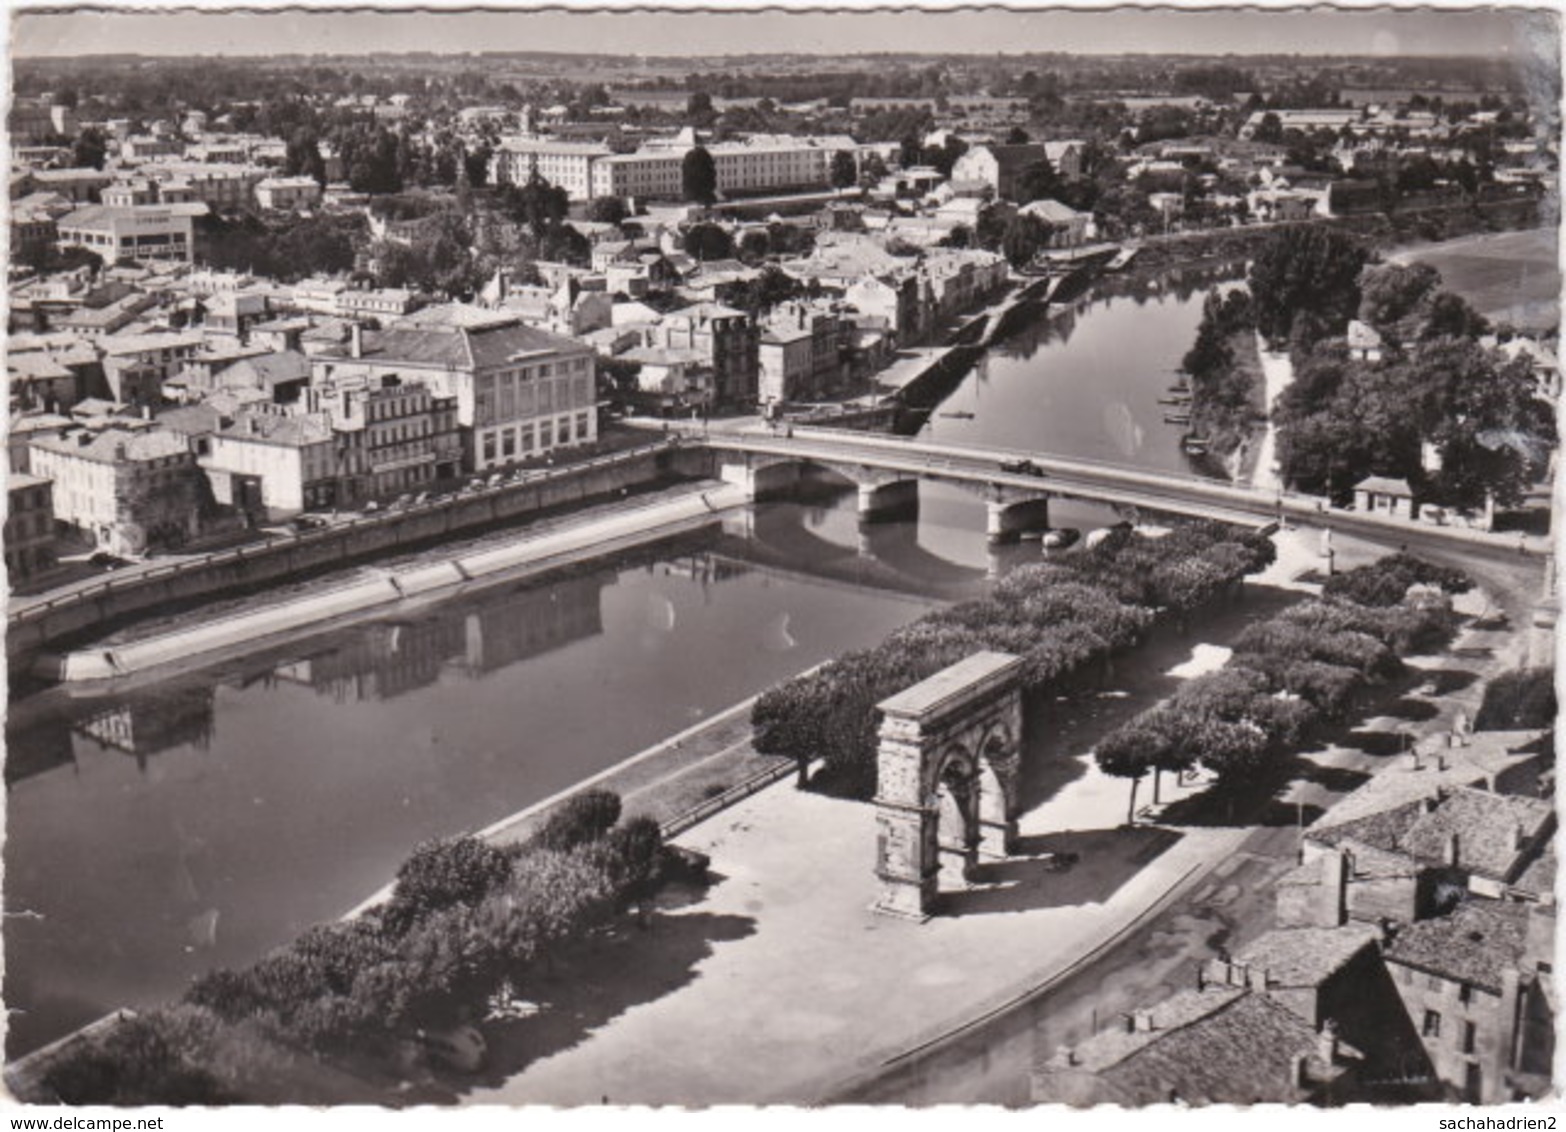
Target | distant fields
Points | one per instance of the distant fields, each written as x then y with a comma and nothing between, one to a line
1508,276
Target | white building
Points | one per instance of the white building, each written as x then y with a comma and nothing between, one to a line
146,232
287,194
564,164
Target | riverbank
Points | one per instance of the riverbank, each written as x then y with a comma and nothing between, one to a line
405,589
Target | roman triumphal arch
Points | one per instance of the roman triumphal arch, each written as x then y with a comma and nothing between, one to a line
947,777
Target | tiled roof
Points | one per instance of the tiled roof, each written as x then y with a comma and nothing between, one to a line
1473,944
1213,1046
1487,826
140,445
458,347
192,420
267,370
1306,957
275,428
1538,878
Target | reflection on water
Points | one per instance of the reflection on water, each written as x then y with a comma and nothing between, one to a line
1084,380
155,834
159,832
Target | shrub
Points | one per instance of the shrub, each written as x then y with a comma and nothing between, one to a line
439,874
583,817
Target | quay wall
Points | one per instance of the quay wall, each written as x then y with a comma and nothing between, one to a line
32,625
591,538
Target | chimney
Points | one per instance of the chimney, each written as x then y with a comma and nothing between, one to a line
1519,836
1452,850
1130,1022
1256,980
119,453
146,412
1201,976
1068,1054
1299,1077
1143,1022
356,341
1428,804
1327,1042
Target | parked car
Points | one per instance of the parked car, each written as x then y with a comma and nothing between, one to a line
104,560
1058,538
1021,468
461,1048
308,523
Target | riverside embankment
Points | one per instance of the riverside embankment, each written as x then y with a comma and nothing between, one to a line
33,623
593,536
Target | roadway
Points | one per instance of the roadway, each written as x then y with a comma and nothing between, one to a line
1099,481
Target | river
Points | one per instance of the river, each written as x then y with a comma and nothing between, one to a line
199,821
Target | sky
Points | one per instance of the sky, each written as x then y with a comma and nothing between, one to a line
235,31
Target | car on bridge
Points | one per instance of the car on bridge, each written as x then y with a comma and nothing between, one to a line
1021,468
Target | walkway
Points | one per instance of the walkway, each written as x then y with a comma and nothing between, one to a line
778,984
1278,371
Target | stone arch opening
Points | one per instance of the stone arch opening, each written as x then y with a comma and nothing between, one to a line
947,777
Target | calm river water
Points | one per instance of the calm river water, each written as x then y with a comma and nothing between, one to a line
200,821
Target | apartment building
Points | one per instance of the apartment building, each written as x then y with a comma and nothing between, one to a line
129,490
395,436
288,194
276,464
519,391
29,526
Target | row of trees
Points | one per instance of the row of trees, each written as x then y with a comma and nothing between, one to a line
1287,674
1065,620
466,922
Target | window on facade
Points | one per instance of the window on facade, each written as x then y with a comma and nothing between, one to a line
1432,1025
1470,1032
1465,994
527,438
489,447
581,426
546,434
508,443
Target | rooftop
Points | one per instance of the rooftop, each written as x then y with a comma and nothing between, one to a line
118,445
1473,944
1306,957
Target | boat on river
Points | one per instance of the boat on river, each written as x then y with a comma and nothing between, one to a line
958,415
1195,445
1185,400
1177,418
1058,538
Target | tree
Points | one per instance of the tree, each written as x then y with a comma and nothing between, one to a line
90,149
1269,129
845,172
1396,298
303,156
1305,269
1127,752
699,176
1025,236
698,107
708,241
581,818
606,210
1017,136
536,203
439,874
754,245
1036,182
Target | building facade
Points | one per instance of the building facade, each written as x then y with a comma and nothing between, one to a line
29,526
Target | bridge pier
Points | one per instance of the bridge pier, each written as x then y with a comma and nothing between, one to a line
1005,521
888,500
760,476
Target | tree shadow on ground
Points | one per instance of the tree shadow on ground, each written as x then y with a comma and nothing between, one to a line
1412,709
1338,779
1106,860
1446,681
1379,743
596,981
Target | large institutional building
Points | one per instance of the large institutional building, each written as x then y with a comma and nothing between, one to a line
586,170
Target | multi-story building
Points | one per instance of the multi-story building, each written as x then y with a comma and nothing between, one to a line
802,351
80,186
751,166
277,464
225,188
394,436
519,391
1477,986
128,490
378,302
29,526
1002,166
287,194
564,164
131,233
146,147
727,338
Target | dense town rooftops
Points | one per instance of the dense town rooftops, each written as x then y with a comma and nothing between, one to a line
293,430
457,347
1473,944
